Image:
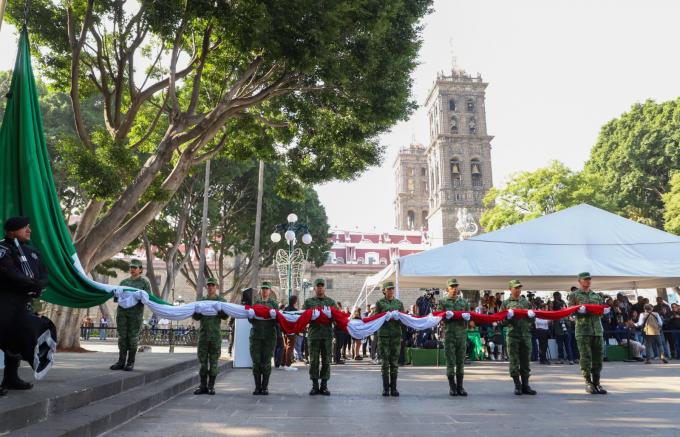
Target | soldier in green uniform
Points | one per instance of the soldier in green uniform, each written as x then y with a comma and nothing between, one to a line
389,340
263,342
588,334
320,339
455,337
518,340
129,320
209,342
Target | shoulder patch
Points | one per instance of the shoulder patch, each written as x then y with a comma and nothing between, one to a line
34,255
3,251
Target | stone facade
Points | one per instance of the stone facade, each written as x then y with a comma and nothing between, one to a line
411,205
458,155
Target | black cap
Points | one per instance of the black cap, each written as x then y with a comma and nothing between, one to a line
16,223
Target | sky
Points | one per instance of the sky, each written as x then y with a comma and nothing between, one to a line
557,71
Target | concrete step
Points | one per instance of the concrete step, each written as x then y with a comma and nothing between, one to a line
100,416
80,379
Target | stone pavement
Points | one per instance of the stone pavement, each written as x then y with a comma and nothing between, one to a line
643,400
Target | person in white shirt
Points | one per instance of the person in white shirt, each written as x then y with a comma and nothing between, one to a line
651,323
543,334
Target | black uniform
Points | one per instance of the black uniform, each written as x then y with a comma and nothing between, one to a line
17,289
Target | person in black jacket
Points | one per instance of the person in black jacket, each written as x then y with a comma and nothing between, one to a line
23,278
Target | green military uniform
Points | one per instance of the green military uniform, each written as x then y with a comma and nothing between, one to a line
262,344
455,341
210,341
588,337
129,322
389,343
320,340
518,342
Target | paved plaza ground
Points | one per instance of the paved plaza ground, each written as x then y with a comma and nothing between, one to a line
644,400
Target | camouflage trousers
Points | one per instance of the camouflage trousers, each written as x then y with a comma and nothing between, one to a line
128,324
261,352
519,355
388,348
209,351
590,350
320,348
454,350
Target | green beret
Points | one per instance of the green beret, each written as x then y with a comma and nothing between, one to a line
387,285
514,284
584,275
318,281
452,282
136,263
211,281
266,284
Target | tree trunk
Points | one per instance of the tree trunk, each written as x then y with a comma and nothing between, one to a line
258,223
200,281
150,271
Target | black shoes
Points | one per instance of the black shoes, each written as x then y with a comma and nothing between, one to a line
120,364
518,385
393,384
324,388
453,390
526,389
203,387
130,366
459,382
386,385
315,388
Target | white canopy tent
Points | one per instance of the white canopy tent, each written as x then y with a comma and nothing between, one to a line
546,254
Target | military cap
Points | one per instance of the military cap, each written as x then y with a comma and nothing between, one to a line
211,281
318,281
136,263
387,285
16,223
584,275
266,284
452,282
514,283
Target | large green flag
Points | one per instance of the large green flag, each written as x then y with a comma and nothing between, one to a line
27,188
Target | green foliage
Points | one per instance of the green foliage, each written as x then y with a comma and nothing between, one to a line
531,194
635,155
109,268
671,200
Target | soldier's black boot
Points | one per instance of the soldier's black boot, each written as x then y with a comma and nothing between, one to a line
453,390
393,384
526,389
203,386
324,388
258,384
211,384
120,364
3,392
460,389
11,380
265,385
518,385
130,366
386,384
590,387
596,383
315,388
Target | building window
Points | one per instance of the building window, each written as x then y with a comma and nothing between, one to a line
455,172
423,171
476,172
329,284
424,218
411,186
409,171
470,103
452,105
410,219
472,125
372,258
453,123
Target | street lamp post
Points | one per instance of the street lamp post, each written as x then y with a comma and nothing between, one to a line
290,231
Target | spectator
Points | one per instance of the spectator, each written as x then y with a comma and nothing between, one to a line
636,348
103,324
356,343
289,340
543,334
561,332
674,326
339,336
660,303
651,323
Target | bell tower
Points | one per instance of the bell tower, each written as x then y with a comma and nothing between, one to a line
458,156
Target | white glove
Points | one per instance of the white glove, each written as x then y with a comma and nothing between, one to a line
582,309
315,314
251,313
466,317
327,312
531,314
388,316
607,310
511,314
272,313
494,324
449,315
395,315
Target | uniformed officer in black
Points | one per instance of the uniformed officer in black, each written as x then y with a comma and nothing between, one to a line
22,278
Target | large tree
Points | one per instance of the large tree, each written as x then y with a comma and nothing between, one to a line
636,155
310,83
531,194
